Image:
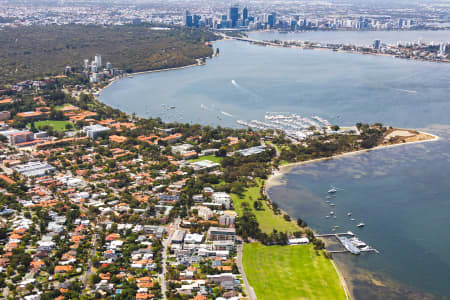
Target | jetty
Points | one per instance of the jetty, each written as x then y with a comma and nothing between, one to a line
350,243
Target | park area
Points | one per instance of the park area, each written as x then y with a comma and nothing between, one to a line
213,158
267,219
55,125
291,272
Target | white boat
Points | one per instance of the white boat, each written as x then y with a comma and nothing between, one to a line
349,214
361,225
331,212
332,190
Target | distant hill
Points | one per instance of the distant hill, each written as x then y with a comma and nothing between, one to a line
36,51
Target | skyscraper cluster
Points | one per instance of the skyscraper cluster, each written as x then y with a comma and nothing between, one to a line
235,19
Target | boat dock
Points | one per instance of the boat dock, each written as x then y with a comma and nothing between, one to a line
350,243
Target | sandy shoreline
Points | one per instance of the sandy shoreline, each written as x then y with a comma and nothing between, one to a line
274,178
117,78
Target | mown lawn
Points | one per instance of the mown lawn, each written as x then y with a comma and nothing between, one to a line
212,158
267,220
56,125
290,272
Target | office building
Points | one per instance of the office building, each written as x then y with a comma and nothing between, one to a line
98,60
271,20
94,78
221,234
222,199
196,20
442,49
178,237
189,21
245,14
234,15
93,131
20,137
36,168
94,67
376,44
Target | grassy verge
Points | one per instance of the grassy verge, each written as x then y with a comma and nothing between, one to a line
290,272
212,158
56,125
267,219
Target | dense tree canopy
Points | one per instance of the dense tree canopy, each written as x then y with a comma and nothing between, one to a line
30,52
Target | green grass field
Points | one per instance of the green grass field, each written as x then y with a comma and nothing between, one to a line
58,107
56,125
212,158
267,220
290,272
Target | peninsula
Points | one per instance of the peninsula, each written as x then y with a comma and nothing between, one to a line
413,51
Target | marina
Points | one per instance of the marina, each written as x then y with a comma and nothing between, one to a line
350,243
293,125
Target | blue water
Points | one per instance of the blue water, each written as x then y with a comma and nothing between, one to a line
246,81
402,194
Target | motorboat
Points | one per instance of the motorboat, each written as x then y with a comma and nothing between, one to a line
361,225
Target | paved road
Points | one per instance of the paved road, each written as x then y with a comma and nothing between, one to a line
89,266
170,230
250,292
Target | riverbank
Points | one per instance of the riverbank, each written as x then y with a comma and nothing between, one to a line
117,78
274,178
306,45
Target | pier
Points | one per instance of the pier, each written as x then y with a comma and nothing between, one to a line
350,243
348,233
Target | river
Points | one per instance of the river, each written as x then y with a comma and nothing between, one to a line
359,38
400,193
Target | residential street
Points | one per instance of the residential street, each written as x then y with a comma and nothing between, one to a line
89,266
170,230
250,292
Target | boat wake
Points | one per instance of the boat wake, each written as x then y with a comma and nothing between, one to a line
204,107
412,92
255,97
